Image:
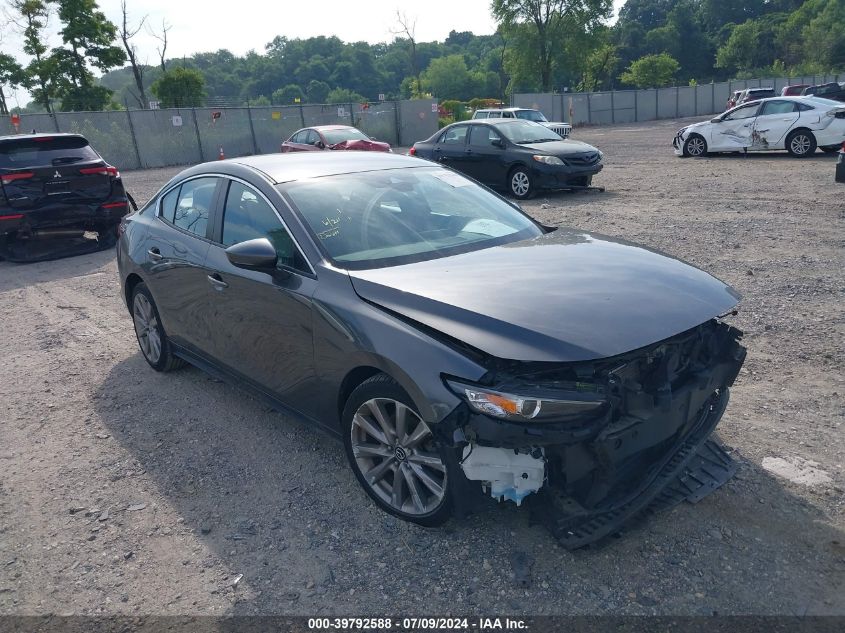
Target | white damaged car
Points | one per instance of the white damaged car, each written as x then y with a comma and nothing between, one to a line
797,124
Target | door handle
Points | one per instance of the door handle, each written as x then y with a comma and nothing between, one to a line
216,282
155,254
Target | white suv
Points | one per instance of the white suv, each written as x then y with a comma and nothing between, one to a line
562,129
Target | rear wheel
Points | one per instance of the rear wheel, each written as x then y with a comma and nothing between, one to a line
152,340
695,146
801,143
393,453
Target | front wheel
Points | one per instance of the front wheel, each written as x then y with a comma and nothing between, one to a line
521,184
801,143
393,453
695,146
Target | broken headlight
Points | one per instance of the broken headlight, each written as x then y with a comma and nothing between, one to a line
539,407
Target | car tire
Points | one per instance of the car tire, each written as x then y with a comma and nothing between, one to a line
520,183
393,454
695,146
153,341
801,143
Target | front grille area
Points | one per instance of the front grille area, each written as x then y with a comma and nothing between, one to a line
584,159
561,130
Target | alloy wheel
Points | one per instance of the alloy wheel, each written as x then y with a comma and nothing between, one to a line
695,146
146,328
520,184
800,144
394,451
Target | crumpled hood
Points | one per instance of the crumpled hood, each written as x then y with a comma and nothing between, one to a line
695,126
362,145
564,296
561,148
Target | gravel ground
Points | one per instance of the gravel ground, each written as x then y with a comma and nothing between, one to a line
123,491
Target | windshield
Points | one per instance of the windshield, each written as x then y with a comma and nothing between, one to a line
523,132
531,115
334,137
398,216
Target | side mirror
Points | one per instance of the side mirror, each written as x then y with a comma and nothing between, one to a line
257,254
497,142
320,144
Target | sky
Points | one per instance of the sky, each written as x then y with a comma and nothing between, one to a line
203,25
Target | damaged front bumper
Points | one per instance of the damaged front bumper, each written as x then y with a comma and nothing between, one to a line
650,416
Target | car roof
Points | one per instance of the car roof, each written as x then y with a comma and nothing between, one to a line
505,109
25,137
282,168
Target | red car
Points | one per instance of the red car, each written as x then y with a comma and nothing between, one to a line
792,91
323,137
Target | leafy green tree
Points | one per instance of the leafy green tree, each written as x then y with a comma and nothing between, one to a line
11,75
449,78
752,45
651,71
345,95
287,95
547,22
88,39
39,73
317,91
600,68
180,88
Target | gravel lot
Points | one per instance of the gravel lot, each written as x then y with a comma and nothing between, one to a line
123,491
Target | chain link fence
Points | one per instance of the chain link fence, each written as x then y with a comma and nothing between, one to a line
142,139
629,106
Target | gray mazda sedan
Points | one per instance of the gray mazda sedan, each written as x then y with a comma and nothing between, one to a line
454,344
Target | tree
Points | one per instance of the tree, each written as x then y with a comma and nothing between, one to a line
180,88
317,91
600,67
38,74
547,22
651,71
408,28
449,78
287,95
126,34
89,40
12,75
162,49
344,95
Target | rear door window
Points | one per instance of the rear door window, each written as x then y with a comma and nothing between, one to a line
455,136
193,205
45,151
777,107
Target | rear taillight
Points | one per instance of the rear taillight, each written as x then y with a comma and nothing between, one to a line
412,151
8,179
15,216
106,170
114,205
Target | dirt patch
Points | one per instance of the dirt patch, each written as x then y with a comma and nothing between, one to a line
126,491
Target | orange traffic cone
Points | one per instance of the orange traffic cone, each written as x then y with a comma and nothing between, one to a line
221,155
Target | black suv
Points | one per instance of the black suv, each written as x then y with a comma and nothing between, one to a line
58,197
